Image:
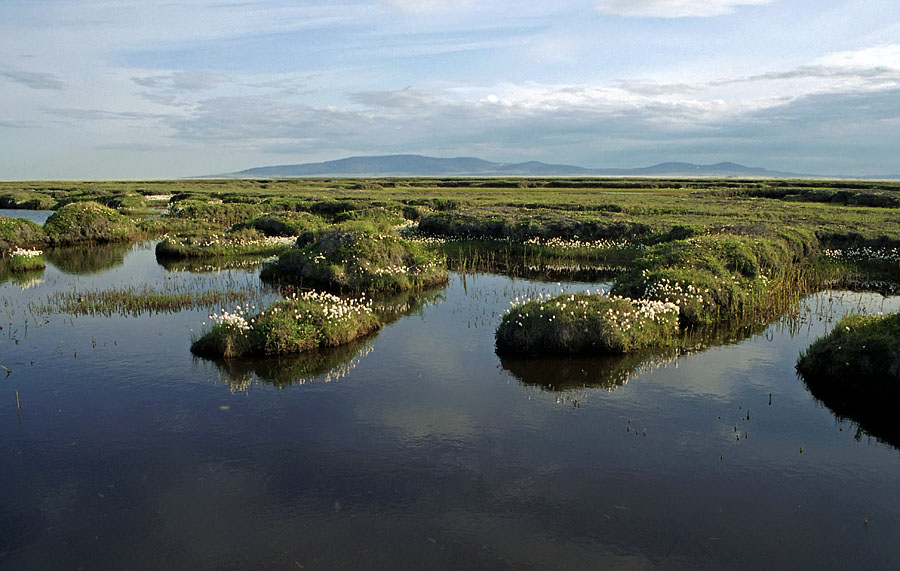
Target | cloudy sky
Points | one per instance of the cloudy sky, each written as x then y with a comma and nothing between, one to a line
155,89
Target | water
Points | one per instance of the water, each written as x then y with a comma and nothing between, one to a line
423,449
36,216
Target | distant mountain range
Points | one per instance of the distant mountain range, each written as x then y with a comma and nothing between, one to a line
418,165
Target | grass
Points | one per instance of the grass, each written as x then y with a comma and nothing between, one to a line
585,323
359,261
300,323
21,260
133,301
855,371
243,242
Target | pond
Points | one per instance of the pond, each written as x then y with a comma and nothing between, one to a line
36,216
418,447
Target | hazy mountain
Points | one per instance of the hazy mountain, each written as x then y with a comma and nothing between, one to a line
418,165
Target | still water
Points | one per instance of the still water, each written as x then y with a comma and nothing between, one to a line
419,448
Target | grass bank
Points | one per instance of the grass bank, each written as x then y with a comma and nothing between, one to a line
855,371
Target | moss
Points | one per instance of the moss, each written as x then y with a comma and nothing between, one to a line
357,261
855,371
300,323
19,232
89,222
585,323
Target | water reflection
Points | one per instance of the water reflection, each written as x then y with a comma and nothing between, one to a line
873,414
24,280
612,371
206,265
321,365
87,260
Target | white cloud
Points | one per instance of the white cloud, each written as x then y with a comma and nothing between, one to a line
674,8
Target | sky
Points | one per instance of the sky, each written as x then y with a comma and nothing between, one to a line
122,89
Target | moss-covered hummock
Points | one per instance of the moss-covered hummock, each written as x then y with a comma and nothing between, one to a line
297,324
359,261
16,232
585,323
855,371
89,222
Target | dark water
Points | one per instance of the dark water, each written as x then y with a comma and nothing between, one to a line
419,448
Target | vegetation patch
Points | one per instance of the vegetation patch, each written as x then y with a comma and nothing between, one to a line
720,277
18,232
26,200
229,244
585,323
21,260
89,222
223,214
359,261
855,371
133,301
283,224
300,323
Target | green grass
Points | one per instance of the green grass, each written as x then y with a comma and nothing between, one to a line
89,222
26,260
300,323
19,232
855,371
585,323
249,242
359,261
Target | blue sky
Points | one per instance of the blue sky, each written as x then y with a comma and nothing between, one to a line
144,89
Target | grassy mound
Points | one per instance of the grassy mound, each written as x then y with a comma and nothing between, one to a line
855,371
299,323
283,224
17,232
89,222
585,323
26,260
218,245
718,277
223,214
357,261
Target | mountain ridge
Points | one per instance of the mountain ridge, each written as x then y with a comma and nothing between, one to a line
420,165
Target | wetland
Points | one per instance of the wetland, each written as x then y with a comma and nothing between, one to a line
414,443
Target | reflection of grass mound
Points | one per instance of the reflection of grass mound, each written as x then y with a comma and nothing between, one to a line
286,370
359,260
855,371
297,324
568,373
88,222
585,323
87,259
218,245
19,232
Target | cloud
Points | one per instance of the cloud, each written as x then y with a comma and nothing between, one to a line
424,6
34,80
674,8
192,80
